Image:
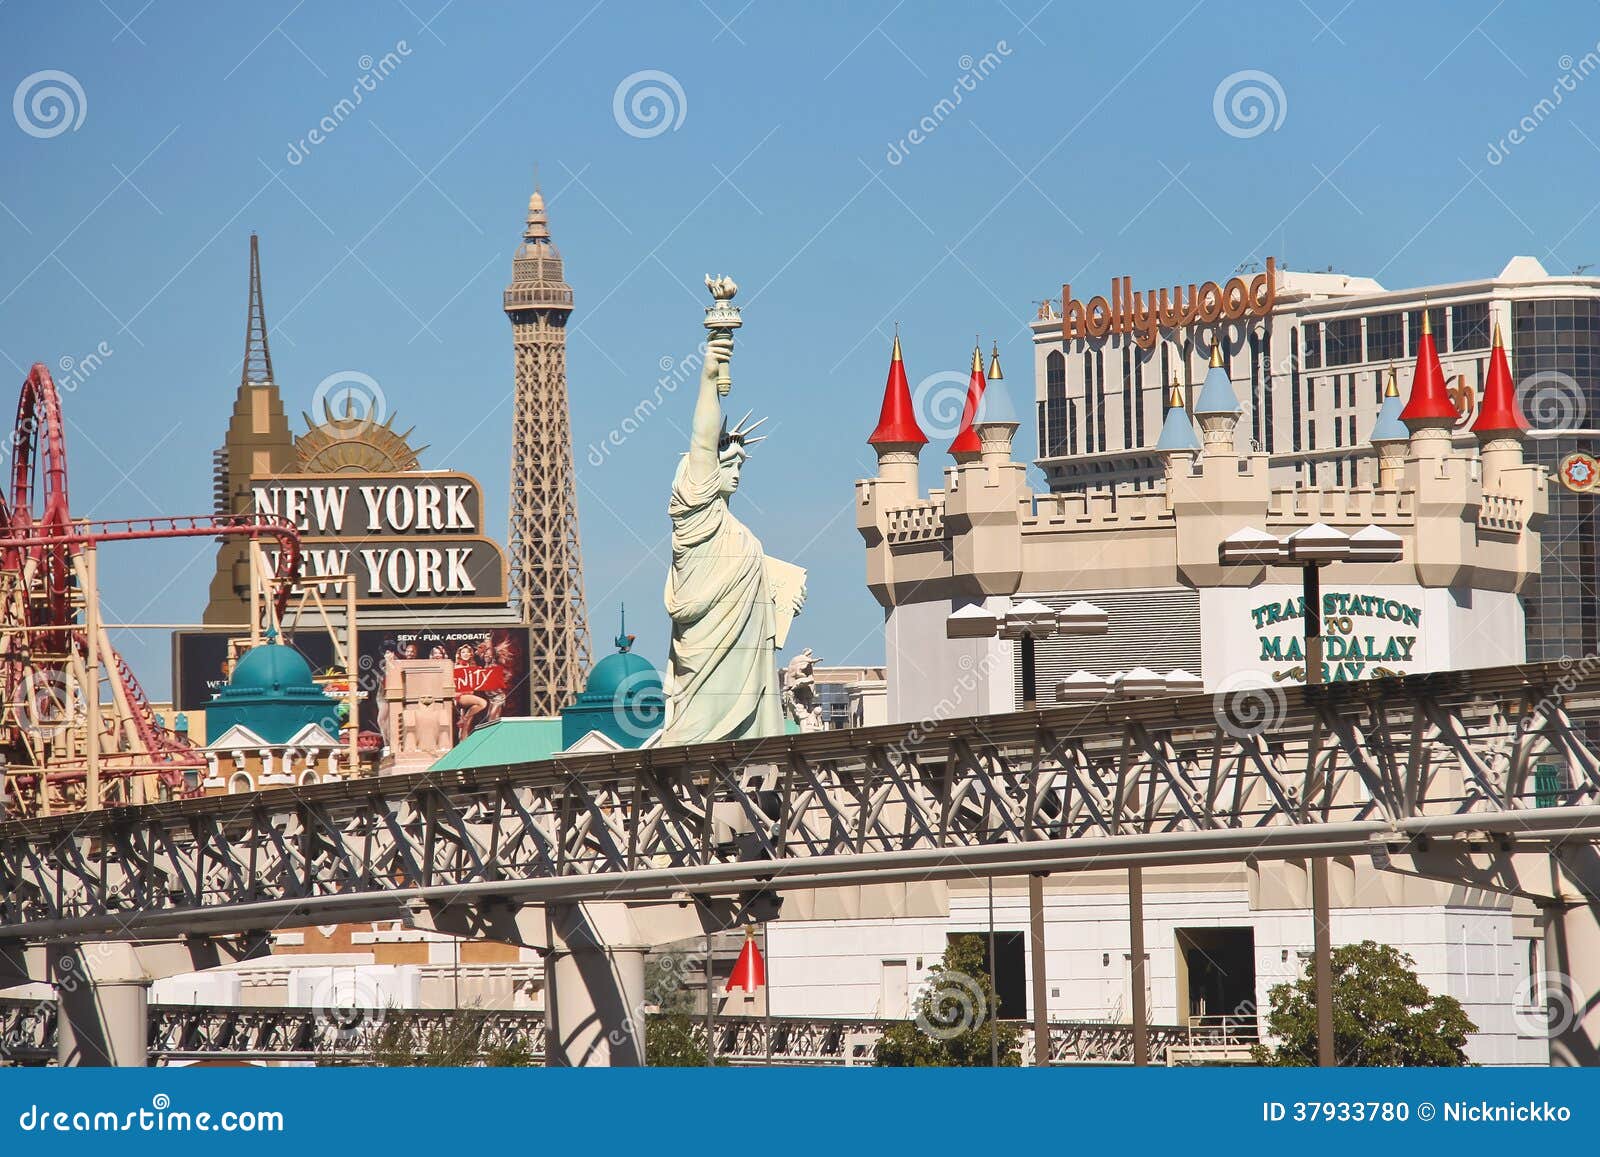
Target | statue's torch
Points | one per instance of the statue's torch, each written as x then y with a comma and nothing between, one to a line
722,318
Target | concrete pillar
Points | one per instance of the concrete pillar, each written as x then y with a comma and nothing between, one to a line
103,995
594,987
1572,983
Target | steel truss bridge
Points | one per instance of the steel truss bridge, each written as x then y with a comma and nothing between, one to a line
1495,758
183,1032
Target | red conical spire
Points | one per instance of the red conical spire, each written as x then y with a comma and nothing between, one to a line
966,437
749,971
897,421
1429,401
1499,413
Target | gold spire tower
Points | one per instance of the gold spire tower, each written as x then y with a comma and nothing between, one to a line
258,443
546,580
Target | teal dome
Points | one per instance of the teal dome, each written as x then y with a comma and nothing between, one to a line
272,693
622,699
272,667
616,671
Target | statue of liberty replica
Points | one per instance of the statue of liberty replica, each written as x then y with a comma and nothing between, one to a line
730,604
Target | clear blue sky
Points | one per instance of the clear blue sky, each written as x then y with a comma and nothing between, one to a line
1090,148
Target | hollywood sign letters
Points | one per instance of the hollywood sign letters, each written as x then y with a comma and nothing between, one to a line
1145,315
407,539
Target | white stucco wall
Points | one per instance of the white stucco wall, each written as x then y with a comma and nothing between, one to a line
837,968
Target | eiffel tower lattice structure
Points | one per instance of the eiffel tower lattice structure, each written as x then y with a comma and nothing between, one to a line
546,568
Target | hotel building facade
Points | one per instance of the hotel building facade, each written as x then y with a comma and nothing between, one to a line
1310,374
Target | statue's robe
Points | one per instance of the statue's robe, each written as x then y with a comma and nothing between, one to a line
722,675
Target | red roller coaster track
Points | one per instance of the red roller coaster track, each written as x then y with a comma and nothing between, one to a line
39,546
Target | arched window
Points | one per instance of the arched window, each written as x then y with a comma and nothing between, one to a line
1054,440
240,783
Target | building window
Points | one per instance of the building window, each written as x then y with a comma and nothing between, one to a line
1344,341
1294,396
1265,360
1089,415
1385,337
1562,336
1053,436
1414,330
1469,326
1129,396
1311,339
1138,396
1100,398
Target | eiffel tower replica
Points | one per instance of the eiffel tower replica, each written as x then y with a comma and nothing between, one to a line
546,567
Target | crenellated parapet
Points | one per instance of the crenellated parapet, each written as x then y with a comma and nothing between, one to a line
1469,523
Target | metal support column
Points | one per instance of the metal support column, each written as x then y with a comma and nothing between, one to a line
1141,1014
1041,991
1321,916
1572,983
103,998
594,990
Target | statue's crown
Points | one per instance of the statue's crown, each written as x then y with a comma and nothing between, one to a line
738,439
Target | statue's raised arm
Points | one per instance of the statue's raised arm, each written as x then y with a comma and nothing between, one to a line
706,430
721,679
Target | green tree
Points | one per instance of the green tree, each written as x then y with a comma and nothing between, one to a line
670,1039
453,1043
1382,1014
952,1025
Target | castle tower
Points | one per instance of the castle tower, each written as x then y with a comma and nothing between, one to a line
1500,427
546,579
966,447
258,442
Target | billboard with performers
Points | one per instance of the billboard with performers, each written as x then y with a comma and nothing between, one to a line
490,666
489,663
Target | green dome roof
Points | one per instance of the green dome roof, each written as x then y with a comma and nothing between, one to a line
271,692
624,670
622,699
271,667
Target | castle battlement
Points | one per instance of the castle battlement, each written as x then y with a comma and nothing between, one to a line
1468,519
1296,506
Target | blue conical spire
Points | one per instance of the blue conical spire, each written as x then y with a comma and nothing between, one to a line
1389,427
1216,392
1177,430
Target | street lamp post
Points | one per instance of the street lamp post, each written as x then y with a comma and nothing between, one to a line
1026,621
1311,549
